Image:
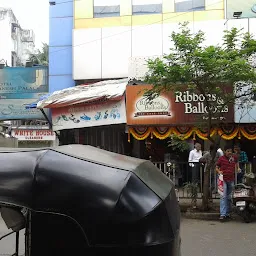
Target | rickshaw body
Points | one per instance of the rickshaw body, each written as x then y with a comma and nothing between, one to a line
81,200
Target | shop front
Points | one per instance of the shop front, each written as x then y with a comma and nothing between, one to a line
92,114
29,137
183,114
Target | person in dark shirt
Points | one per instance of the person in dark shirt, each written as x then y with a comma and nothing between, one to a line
243,160
227,165
207,159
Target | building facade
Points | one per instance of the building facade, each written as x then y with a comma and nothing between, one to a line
18,43
60,45
92,40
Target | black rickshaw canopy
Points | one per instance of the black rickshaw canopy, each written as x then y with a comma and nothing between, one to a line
115,200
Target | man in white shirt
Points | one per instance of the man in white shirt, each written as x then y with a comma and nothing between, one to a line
194,157
220,152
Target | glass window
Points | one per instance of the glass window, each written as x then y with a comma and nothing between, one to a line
142,7
106,8
189,5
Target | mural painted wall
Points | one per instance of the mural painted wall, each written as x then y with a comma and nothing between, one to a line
20,87
89,115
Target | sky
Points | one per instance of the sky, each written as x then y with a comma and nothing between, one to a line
31,14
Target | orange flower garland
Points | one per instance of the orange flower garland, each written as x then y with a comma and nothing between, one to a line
164,133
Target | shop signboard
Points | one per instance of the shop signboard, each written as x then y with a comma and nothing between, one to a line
246,8
19,87
34,135
89,115
178,108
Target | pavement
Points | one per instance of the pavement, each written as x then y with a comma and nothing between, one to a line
199,238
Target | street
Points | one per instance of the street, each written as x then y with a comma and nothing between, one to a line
211,238
7,245
199,238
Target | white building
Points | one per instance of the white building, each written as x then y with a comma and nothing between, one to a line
111,38
16,43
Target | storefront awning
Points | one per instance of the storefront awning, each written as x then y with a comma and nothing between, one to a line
101,91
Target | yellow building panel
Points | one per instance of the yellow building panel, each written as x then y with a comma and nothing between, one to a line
125,7
214,4
168,6
103,22
177,17
83,9
138,20
209,15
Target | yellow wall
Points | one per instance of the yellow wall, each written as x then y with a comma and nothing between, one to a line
83,14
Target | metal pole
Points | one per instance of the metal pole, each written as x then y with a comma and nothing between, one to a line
174,175
201,176
17,243
49,122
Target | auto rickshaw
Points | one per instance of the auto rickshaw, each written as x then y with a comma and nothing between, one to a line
81,200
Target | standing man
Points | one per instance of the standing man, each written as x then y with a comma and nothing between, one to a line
207,159
227,166
194,157
220,152
243,160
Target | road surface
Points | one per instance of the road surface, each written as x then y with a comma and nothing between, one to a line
209,238
7,245
199,238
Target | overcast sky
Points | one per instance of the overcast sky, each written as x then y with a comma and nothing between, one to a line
32,14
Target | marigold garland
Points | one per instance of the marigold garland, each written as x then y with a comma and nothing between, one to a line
138,136
162,133
248,135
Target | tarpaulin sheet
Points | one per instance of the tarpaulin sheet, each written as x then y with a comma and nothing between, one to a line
104,90
34,104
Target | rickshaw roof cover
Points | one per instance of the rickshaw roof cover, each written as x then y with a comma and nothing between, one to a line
99,190
144,169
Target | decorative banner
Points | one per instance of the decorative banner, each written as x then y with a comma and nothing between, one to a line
248,8
87,115
227,133
25,135
19,87
172,109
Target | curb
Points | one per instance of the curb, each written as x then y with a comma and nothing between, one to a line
213,216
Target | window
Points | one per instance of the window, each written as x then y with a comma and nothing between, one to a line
142,7
189,5
106,8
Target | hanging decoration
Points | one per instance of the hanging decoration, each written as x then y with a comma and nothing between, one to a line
226,132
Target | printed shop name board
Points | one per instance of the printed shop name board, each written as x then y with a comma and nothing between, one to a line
170,108
196,103
193,104
86,115
46,135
